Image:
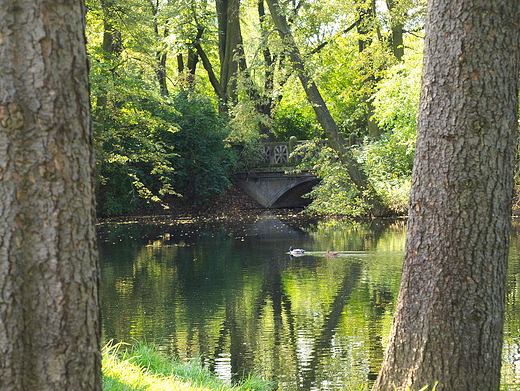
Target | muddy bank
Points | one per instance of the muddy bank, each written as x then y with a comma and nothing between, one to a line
235,206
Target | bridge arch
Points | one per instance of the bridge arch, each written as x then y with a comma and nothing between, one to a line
277,189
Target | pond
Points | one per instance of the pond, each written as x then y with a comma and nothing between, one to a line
232,295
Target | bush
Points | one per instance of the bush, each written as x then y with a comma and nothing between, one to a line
203,160
133,163
293,121
151,148
335,194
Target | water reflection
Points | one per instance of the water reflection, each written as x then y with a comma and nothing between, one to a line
233,295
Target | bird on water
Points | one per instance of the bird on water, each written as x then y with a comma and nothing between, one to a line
296,251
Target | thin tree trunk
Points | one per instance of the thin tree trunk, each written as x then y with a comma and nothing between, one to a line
230,48
161,56
397,30
50,326
161,74
366,26
450,312
193,60
397,41
111,46
323,115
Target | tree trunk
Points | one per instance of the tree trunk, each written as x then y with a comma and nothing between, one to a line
449,317
193,59
112,46
50,326
231,53
160,71
323,115
366,27
266,103
161,55
397,41
397,30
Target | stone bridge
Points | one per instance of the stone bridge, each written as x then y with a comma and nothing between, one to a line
273,182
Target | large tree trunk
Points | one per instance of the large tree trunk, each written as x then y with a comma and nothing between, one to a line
49,311
323,115
449,317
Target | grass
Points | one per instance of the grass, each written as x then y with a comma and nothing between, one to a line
143,368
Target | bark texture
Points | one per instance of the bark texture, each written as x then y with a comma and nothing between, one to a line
449,318
49,309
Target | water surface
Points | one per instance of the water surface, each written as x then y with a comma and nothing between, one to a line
232,295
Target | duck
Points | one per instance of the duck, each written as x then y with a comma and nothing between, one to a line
296,251
331,253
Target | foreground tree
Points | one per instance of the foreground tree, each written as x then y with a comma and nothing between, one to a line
49,311
449,318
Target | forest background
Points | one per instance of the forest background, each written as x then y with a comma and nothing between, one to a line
177,85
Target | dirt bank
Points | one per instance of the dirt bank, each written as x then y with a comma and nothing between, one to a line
234,206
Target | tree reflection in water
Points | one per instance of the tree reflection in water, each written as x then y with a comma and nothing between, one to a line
233,296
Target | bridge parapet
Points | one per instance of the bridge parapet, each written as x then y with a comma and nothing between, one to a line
273,154
278,153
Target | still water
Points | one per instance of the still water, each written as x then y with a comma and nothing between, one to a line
232,295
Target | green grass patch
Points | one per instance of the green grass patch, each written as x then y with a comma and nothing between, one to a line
142,367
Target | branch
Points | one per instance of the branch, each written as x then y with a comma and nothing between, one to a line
323,44
211,74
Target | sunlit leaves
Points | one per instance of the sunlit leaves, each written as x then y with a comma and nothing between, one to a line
396,101
335,194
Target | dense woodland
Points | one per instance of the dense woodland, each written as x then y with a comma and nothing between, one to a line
176,84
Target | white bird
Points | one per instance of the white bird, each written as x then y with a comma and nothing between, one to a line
296,251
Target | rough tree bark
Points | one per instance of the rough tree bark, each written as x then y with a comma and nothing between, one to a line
323,115
449,317
49,311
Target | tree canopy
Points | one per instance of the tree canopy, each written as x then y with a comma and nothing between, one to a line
233,55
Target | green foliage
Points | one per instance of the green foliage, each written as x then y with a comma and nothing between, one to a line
348,78
389,160
245,123
396,101
203,160
294,121
335,194
134,162
149,147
